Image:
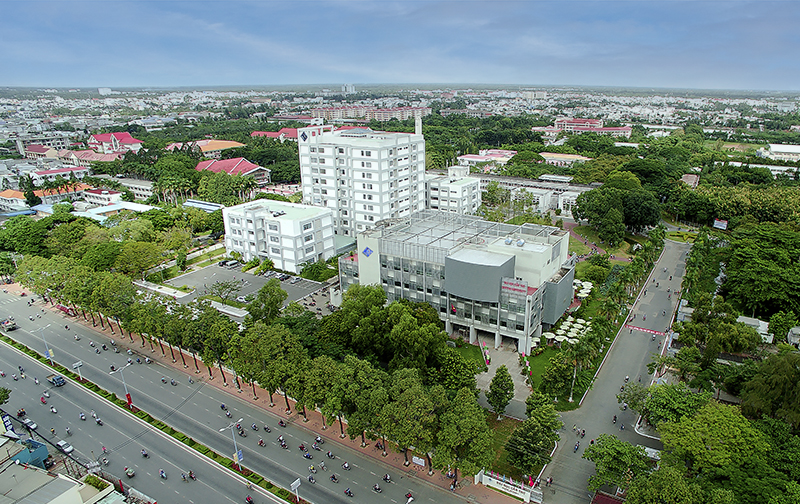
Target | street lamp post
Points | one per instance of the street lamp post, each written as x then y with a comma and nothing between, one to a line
46,349
124,385
233,436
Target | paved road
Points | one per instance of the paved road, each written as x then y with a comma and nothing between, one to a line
629,357
194,409
123,436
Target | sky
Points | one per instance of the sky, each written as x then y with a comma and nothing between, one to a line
661,44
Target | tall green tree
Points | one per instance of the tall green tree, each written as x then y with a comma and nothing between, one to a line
464,439
501,391
267,304
617,463
530,444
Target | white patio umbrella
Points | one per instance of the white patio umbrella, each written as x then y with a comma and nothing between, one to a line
582,295
549,335
572,341
580,321
561,338
561,331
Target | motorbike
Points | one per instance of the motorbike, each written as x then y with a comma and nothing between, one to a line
36,380
614,420
242,433
261,442
163,380
223,407
266,428
348,493
145,454
116,350
577,445
319,440
334,478
302,448
254,427
2,373
376,488
346,466
227,413
314,446
21,413
311,479
308,456
330,455
312,469
14,376
248,500
82,416
284,445
77,338
162,473
45,393
112,367
104,346
173,382
281,423
53,409
192,476
387,478
44,401
98,421
97,350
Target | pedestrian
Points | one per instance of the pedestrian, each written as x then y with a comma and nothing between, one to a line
591,442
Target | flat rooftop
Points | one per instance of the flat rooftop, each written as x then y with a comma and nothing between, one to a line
292,211
448,231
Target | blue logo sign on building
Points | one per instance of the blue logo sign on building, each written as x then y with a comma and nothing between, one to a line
367,251
304,136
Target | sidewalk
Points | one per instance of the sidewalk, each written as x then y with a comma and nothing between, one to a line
315,424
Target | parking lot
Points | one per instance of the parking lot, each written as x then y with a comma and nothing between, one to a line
202,279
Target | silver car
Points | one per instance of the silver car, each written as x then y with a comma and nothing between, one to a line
64,447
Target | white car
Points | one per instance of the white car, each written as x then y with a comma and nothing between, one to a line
241,299
30,424
64,447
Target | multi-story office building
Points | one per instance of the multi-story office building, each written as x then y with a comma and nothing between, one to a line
455,192
287,233
501,279
364,176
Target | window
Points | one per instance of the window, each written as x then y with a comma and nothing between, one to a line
275,250
307,226
308,238
321,160
324,191
341,150
366,153
370,218
313,160
310,250
321,150
313,149
274,239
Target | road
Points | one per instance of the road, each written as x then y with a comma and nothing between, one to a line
629,357
123,436
194,409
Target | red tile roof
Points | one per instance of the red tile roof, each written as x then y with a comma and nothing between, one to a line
121,136
287,132
235,166
40,149
60,170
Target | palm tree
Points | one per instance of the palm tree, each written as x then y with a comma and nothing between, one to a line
579,353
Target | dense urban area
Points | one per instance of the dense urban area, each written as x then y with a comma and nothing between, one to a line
554,295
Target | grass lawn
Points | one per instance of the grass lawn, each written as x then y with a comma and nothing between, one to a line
577,247
591,236
472,352
681,236
502,430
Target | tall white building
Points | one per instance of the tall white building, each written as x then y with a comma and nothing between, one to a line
362,175
287,233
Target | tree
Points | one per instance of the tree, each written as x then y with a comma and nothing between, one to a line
408,418
672,402
780,323
4,394
711,440
455,371
557,376
617,463
665,485
612,227
267,304
773,390
137,257
225,289
501,391
464,439
530,444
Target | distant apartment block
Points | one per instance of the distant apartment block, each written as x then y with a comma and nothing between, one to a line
109,143
86,158
237,166
455,192
363,175
141,189
480,114
286,233
370,113
36,151
12,200
101,197
580,125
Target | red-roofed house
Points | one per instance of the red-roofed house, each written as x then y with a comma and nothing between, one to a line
236,166
85,158
36,151
108,143
282,135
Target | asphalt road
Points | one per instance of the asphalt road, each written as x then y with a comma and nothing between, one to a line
195,410
629,357
122,435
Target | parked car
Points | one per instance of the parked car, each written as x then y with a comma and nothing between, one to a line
222,263
233,264
283,276
269,274
64,447
295,280
30,424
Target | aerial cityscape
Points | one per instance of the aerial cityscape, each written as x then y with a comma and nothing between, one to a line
488,252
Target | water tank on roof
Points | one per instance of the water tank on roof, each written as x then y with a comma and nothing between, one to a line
509,241
520,242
